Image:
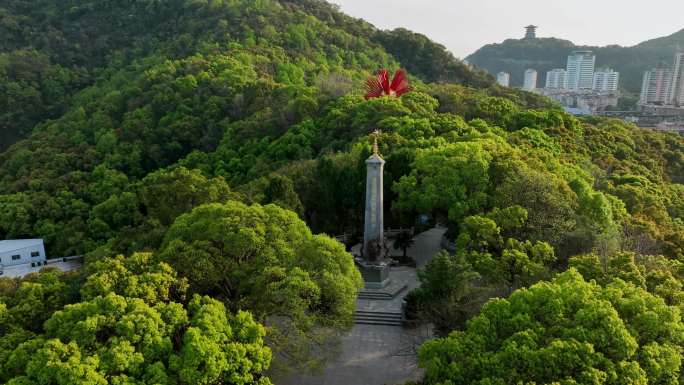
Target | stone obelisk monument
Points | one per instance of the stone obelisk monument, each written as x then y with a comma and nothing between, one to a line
374,268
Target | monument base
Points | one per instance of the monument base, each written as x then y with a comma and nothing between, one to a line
375,275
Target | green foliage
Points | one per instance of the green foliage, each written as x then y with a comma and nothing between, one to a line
656,274
452,179
30,301
507,260
127,329
168,194
137,276
32,89
280,191
566,331
447,295
265,259
403,240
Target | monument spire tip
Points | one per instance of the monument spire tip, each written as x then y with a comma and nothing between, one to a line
375,134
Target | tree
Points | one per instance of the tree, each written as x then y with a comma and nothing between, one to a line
546,197
265,259
280,191
137,276
660,276
447,295
167,194
509,261
403,240
566,331
31,300
127,330
451,180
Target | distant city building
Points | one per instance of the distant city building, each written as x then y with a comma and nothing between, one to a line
664,86
503,78
656,86
557,79
531,32
530,82
581,70
21,251
675,95
606,80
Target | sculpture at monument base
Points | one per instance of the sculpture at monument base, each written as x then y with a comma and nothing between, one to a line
376,250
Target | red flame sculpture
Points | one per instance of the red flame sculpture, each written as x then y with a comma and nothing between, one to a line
380,85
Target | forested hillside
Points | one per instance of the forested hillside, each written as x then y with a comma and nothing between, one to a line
194,149
544,54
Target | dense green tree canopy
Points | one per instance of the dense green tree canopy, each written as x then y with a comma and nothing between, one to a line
265,259
127,328
566,331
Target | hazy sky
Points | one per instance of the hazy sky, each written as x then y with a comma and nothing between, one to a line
463,26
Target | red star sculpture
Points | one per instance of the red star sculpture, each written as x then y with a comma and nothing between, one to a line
380,85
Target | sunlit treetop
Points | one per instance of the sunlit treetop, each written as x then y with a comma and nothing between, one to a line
380,85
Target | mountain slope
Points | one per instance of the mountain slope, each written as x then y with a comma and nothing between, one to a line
132,87
62,49
544,54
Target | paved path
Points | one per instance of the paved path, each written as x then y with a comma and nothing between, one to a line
377,354
427,245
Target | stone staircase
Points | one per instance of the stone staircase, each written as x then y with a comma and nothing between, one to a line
366,317
386,294
375,295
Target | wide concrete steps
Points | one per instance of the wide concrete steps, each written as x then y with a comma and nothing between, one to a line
386,294
377,295
378,318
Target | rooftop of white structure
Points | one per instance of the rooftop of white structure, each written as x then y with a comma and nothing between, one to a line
16,244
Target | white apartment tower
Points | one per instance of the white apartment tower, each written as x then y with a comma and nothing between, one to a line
675,95
530,82
581,70
557,78
606,80
656,86
503,78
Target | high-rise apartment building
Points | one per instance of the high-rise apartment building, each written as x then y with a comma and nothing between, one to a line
530,82
503,78
606,80
581,70
675,94
557,78
656,86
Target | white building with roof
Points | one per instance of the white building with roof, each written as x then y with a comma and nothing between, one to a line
22,251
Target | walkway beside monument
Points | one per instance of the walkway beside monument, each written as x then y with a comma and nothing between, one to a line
379,354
